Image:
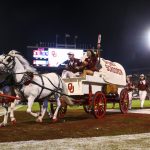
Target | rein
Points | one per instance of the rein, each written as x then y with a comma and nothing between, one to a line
55,91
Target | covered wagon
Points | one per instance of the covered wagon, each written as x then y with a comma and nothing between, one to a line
106,85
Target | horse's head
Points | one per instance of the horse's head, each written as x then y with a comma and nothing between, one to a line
7,63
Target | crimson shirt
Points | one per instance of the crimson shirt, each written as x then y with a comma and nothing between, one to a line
143,86
129,86
91,63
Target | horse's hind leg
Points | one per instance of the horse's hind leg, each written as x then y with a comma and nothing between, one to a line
57,109
43,109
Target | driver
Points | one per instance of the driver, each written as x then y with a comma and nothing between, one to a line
72,66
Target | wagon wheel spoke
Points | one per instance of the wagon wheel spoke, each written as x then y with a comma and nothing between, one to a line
99,105
124,101
62,111
87,108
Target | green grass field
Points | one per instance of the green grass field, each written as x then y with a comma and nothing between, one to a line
135,105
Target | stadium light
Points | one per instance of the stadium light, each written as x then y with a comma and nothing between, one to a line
148,38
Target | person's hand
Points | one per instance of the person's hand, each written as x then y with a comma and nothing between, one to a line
66,66
77,68
133,87
85,63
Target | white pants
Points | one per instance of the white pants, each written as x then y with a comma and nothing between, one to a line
69,74
142,95
130,99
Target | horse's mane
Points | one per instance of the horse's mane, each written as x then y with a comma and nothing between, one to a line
22,60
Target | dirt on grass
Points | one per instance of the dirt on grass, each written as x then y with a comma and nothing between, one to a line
75,124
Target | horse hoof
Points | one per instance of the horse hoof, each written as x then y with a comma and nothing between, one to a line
13,122
55,120
50,116
39,120
38,114
2,125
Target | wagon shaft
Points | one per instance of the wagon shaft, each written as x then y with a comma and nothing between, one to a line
8,98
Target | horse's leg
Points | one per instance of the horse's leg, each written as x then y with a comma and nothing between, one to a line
57,109
5,90
50,114
43,110
4,123
30,104
12,108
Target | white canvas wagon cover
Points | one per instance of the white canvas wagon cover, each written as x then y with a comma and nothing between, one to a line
112,72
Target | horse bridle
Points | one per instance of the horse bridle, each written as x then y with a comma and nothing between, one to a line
8,68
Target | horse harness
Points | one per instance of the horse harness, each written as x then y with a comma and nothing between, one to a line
28,79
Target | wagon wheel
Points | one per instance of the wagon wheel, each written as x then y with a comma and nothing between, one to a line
124,101
87,108
62,110
99,105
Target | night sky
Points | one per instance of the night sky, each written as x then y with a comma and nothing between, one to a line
122,23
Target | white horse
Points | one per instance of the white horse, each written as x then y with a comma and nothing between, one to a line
9,106
7,90
31,85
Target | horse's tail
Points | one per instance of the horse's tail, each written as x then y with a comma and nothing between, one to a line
67,99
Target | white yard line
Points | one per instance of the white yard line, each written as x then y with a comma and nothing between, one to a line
122,142
140,111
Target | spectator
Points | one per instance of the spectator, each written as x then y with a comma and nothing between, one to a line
142,87
7,84
130,86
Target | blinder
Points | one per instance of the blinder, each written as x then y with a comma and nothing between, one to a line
8,68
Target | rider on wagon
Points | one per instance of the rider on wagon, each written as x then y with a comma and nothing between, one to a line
89,64
72,66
